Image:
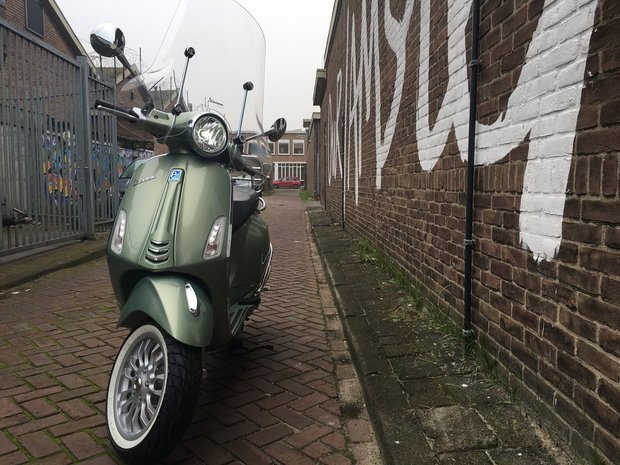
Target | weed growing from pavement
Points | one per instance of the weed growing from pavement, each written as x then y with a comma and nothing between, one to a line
305,195
597,459
436,317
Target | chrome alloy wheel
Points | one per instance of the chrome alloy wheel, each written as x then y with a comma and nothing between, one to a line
137,386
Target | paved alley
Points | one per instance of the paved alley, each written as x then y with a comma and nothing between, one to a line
289,395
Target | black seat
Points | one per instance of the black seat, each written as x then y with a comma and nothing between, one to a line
245,201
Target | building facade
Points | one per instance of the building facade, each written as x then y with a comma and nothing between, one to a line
44,20
395,141
313,184
289,156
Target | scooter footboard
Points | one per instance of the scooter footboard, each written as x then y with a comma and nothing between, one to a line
176,304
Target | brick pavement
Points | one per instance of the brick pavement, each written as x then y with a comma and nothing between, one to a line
289,395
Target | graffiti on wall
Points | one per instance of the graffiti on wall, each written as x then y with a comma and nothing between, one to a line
544,105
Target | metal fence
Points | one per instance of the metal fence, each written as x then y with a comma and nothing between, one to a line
58,157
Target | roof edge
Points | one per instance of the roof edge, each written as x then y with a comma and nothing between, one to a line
330,34
320,83
65,24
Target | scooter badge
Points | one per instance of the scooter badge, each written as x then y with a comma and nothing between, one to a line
175,175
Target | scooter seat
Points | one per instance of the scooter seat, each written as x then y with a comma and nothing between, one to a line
245,201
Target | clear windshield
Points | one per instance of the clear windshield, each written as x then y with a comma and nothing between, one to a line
229,50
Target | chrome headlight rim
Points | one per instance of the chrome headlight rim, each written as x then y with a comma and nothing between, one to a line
194,123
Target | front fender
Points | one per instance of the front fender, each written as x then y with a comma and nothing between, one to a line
163,298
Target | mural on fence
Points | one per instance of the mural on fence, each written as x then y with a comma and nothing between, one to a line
544,105
126,156
61,166
102,167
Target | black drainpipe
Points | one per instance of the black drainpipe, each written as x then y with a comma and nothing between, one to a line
474,64
343,199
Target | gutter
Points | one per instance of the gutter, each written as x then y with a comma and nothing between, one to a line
474,64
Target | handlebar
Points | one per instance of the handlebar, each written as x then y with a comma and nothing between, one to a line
127,113
239,164
251,171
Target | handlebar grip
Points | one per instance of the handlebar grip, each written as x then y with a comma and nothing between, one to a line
103,104
239,164
251,171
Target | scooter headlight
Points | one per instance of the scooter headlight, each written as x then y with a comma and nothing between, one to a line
209,134
118,236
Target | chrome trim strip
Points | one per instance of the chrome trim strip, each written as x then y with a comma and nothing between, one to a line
267,270
192,299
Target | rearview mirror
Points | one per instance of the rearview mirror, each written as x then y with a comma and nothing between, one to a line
108,40
277,130
274,133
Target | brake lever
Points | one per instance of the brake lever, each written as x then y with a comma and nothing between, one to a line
108,107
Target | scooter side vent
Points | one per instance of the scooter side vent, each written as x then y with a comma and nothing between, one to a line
158,251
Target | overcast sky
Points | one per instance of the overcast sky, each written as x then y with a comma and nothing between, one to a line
295,32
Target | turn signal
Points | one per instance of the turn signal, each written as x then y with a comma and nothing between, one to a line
119,232
215,239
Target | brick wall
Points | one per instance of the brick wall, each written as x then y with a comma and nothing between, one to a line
291,138
54,33
546,274
313,181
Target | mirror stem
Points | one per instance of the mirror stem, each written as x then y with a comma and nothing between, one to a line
144,92
178,109
247,87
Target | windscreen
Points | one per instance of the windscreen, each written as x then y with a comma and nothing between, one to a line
229,50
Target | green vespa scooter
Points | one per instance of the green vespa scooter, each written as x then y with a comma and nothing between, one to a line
188,254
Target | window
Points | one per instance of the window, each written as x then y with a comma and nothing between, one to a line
283,147
289,170
298,147
34,16
272,147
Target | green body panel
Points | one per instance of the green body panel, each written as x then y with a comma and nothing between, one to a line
250,245
162,298
180,213
168,222
250,255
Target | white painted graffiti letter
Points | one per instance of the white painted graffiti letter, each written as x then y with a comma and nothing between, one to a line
544,105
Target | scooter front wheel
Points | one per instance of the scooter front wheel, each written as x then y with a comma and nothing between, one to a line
152,393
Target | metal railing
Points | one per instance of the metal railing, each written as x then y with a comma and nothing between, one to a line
58,157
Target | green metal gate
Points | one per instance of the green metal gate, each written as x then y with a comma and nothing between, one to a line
58,157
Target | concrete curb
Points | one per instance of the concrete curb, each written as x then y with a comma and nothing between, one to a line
428,404
377,380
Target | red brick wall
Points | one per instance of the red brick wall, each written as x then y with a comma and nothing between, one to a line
53,32
291,137
313,173
546,274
